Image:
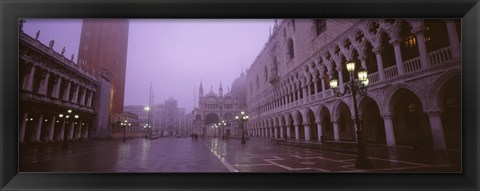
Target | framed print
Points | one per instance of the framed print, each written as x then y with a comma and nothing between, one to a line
269,95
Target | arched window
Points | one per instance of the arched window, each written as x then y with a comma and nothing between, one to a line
291,51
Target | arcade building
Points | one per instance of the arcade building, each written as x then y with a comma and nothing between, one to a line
414,90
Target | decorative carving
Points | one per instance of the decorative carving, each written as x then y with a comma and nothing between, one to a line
347,44
359,36
63,51
336,50
373,28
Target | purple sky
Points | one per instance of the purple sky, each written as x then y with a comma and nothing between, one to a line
175,55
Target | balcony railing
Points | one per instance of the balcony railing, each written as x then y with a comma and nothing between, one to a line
440,56
391,72
412,65
373,78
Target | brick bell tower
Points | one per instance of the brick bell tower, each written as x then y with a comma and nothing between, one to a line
103,49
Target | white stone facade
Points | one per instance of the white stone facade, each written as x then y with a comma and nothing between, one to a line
411,62
57,98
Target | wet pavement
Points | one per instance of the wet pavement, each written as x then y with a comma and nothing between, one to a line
172,154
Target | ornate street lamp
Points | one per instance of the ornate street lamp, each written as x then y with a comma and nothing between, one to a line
222,128
355,87
242,118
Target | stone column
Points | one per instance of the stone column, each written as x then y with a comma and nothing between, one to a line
363,61
398,54
422,48
315,84
66,95
75,93
281,132
22,128
29,81
87,128
298,93
306,128
82,98
61,135
90,98
319,130
297,134
340,77
437,129
378,54
336,134
275,132
79,131
44,84
38,128
307,89
51,129
323,87
389,132
453,38
289,136
71,129
56,87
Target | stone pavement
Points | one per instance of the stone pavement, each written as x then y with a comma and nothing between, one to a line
170,154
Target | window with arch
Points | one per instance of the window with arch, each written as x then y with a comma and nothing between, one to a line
291,50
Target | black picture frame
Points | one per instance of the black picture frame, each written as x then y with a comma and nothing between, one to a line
10,179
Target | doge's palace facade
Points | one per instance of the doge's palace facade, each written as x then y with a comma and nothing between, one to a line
414,70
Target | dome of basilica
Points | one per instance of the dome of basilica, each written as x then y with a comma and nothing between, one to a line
239,89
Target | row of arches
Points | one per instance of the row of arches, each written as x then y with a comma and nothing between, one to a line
403,119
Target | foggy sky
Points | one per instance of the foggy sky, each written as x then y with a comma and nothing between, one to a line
174,55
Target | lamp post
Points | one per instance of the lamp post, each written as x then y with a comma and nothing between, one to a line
147,127
125,129
355,87
222,128
214,126
243,117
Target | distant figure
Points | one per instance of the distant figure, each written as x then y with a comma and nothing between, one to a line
72,57
37,35
63,50
50,45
